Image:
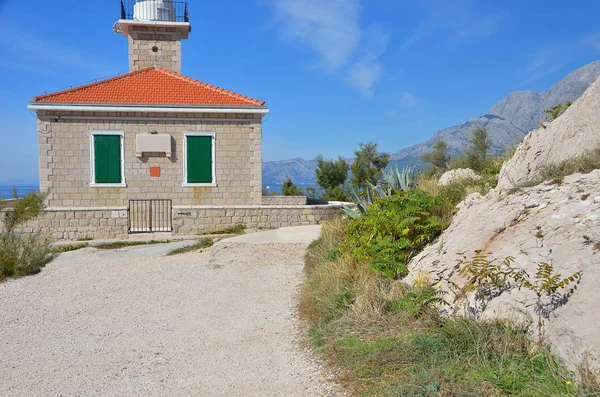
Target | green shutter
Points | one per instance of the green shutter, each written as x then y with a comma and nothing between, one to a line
199,159
107,158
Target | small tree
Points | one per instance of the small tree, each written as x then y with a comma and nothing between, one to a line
288,188
438,158
332,176
477,153
368,165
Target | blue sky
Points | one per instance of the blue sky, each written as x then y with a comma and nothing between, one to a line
334,73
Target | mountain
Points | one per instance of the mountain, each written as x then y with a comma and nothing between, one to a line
507,122
511,118
302,172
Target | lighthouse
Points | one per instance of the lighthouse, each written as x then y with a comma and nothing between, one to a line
154,30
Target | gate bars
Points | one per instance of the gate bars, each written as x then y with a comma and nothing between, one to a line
148,216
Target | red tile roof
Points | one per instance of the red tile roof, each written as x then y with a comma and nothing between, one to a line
150,86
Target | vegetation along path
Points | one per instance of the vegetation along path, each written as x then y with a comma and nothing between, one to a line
136,322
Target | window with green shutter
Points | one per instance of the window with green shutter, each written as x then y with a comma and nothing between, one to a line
199,159
107,159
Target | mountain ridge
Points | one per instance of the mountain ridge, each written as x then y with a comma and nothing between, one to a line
507,122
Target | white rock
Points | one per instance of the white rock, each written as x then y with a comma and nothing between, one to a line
503,228
574,132
457,175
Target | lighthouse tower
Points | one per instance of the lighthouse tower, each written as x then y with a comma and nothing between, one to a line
154,29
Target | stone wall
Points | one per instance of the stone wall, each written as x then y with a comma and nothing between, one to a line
143,40
192,220
64,157
284,200
110,223
68,224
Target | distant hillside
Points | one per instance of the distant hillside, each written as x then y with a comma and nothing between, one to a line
302,172
507,122
511,118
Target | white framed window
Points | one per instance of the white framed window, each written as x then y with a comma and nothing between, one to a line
199,159
107,159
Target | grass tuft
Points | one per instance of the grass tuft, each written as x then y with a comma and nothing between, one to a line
70,247
85,239
123,244
201,244
238,229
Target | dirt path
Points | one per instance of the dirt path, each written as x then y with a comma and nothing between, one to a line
134,322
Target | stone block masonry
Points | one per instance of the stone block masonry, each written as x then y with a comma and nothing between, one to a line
193,220
112,222
284,200
64,156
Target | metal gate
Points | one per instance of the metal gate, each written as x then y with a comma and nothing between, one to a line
148,216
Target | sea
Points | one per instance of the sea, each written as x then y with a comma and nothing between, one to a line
7,191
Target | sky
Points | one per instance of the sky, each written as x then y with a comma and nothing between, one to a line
334,73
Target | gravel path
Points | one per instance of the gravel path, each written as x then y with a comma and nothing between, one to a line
134,322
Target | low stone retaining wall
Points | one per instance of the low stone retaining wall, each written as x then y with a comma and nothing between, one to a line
284,200
105,223
191,220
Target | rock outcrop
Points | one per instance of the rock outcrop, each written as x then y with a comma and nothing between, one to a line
576,130
552,224
457,175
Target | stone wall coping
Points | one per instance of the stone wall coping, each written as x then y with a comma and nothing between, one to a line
60,209
244,207
201,207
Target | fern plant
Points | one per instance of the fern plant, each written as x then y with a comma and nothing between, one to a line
489,280
545,283
394,229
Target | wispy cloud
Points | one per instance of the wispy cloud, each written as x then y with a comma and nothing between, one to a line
409,100
551,58
333,32
406,100
459,21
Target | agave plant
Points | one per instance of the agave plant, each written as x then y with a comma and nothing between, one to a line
393,181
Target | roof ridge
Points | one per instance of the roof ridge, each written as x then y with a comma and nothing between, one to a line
212,87
94,84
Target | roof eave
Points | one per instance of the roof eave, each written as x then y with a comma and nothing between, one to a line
147,108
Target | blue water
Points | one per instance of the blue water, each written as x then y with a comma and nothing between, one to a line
7,191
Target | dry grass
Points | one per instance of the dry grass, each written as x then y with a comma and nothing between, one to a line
584,164
384,351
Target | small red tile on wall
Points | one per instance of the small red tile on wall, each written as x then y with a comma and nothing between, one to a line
154,171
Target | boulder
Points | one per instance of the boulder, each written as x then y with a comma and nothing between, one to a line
571,134
559,225
457,175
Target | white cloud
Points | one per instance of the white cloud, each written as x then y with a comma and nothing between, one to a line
332,30
409,100
551,58
458,20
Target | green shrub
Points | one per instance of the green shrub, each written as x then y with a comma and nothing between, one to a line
393,230
22,253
